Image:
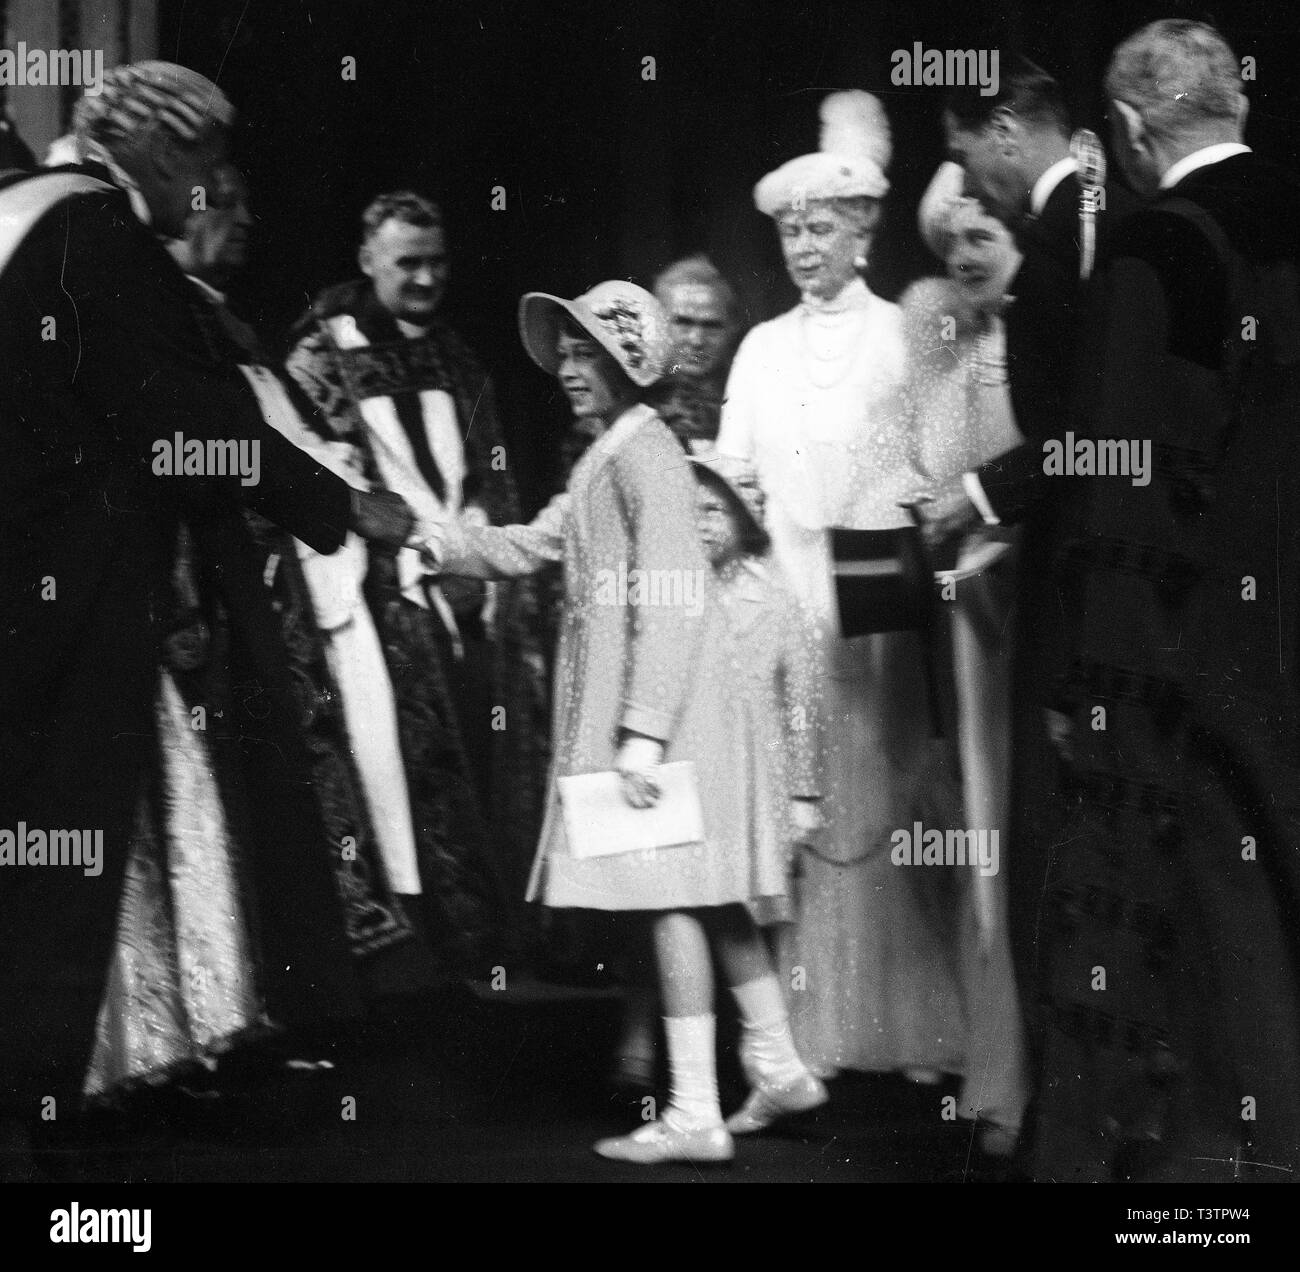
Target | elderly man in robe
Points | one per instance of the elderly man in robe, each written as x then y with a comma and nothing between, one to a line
100,361
1174,878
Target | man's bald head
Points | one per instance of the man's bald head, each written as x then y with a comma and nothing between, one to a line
703,315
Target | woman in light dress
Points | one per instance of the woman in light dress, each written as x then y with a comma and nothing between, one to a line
959,408
814,403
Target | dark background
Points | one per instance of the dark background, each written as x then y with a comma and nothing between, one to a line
608,175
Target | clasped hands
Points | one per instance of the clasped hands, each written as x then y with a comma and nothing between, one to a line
385,518
382,517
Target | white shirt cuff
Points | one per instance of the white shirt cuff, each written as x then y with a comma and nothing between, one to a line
975,493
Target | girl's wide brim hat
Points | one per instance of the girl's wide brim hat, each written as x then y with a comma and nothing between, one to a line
737,481
626,320
850,163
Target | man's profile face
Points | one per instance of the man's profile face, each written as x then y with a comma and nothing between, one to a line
991,176
177,171
215,246
700,327
408,266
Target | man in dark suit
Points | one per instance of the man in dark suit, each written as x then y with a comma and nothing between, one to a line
1168,967
1015,148
100,360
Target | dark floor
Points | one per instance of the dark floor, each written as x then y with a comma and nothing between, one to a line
476,1085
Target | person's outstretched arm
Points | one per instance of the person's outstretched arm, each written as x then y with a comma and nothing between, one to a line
455,546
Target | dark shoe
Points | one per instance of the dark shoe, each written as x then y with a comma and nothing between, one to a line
633,1075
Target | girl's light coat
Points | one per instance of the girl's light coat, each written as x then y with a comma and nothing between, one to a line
663,670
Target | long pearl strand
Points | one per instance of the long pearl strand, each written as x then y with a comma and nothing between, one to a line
844,358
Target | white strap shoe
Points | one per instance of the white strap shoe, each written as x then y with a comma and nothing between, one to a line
661,1141
767,1104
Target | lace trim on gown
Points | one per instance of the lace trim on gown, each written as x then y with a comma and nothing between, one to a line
181,986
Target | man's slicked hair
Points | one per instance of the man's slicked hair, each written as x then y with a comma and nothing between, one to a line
1178,75
400,205
1024,88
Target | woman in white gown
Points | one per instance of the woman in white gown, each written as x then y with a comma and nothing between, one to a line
814,402
959,409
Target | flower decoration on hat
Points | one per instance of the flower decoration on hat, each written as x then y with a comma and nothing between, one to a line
624,321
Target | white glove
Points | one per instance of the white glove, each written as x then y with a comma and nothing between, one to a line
806,814
636,762
431,545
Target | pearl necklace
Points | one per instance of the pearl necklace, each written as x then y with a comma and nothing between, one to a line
843,358
991,353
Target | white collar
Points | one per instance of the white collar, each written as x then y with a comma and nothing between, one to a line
623,426
1201,159
1046,184
629,419
853,295
410,330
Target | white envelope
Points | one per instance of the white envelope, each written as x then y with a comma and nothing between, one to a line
599,822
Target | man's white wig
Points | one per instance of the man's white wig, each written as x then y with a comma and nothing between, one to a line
139,95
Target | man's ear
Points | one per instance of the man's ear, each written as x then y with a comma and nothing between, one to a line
366,260
1007,131
1130,122
1243,109
163,156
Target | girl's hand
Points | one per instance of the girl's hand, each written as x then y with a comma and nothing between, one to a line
637,760
808,820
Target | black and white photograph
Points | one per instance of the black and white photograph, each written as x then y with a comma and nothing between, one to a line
649,592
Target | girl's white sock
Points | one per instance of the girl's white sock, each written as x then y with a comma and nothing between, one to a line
693,1098
767,1046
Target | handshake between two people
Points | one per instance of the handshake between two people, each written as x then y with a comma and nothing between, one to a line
382,517
385,518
